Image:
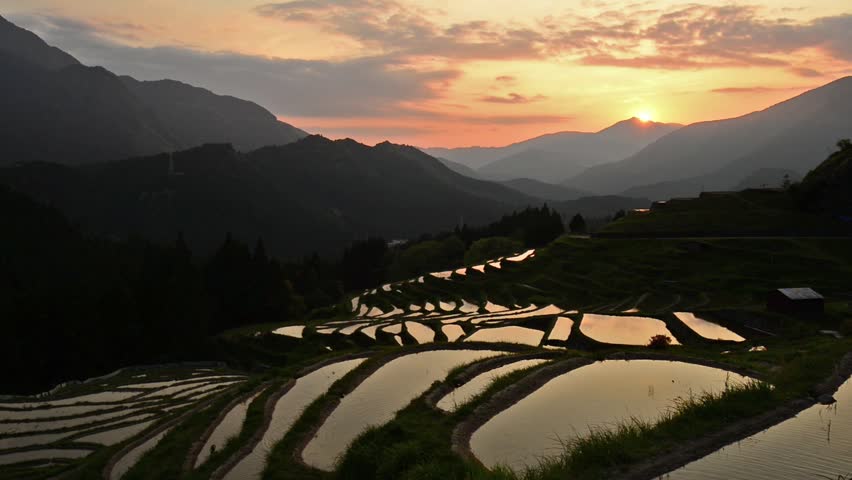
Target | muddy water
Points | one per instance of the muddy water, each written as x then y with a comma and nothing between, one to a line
288,408
479,383
816,444
623,330
595,396
379,397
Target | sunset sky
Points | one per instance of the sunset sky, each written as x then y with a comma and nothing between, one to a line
465,72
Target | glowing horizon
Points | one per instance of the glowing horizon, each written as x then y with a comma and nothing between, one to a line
479,72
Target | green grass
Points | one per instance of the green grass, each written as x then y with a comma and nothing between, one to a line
600,452
727,278
741,213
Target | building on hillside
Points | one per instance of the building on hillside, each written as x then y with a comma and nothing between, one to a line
803,302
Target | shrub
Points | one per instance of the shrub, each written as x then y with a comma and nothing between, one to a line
659,342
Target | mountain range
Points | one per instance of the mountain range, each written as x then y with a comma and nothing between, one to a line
793,136
558,156
310,195
56,109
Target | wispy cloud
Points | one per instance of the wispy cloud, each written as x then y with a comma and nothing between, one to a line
513,98
687,37
754,90
372,86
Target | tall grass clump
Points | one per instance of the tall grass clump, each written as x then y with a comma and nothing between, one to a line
603,450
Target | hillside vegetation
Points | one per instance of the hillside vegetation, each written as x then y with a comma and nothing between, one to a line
820,205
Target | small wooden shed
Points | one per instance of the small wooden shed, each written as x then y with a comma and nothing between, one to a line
803,302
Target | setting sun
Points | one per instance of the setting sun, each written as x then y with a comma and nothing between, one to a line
644,116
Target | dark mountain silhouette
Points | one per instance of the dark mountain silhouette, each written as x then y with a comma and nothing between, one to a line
793,135
828,188
20,42
57,110
195,116
459,168
551,158
314,194
546,191
73,115
767,178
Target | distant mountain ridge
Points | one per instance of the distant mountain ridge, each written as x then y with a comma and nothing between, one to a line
554,157
58,110
273,192
793,135
15,40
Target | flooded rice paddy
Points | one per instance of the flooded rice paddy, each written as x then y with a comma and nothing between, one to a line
479,383
45,455
287,409
229,427
379,397
591,397
621,330
707,329
561,329
816,443
511,334
132,457
124,409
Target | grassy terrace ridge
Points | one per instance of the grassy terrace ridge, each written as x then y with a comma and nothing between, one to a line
723,279
751,212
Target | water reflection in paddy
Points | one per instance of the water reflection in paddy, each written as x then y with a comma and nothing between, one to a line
491,307
294,331
395,329
33,427
479,383
447,306
351,328
33,455
519,314
707,329
118,435
512,334
467,307
594,396
623,330
561,329
101,397
379,397
288,408
420,332
453,332
229,427
522,257
132,457
814,444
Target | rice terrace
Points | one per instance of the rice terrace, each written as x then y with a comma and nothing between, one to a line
536,365
422,240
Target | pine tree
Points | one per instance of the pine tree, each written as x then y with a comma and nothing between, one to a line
578,224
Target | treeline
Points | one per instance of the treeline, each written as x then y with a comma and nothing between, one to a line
74,306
